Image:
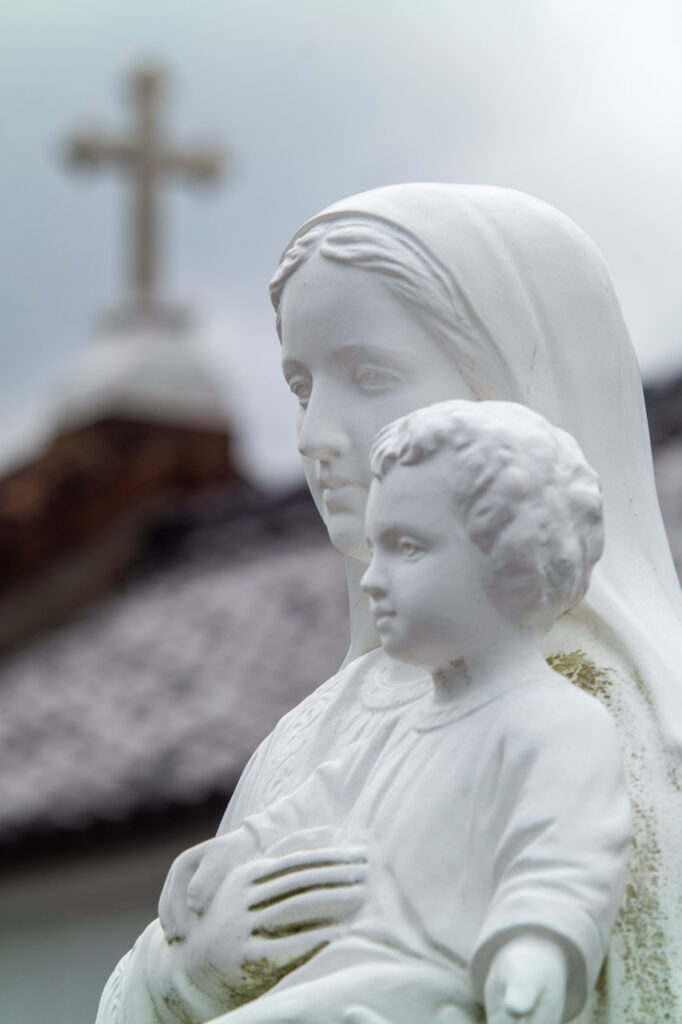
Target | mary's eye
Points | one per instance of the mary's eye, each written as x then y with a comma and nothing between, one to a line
374,378
301,387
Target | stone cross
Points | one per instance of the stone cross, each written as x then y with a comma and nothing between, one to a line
147,160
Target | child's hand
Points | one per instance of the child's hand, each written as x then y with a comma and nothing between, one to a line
195,877
526,983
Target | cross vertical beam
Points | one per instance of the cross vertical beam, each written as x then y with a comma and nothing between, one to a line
147,161
144,229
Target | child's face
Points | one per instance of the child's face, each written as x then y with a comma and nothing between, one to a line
427,582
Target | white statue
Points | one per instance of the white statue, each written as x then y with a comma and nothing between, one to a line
386,302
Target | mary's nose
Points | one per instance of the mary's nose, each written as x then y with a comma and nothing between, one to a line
321,434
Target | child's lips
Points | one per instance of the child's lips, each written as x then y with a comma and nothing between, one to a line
381,615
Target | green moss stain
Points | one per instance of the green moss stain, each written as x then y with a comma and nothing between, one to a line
601,994
176,1006
639,938
673,765
282,931
578,668
264,904
258,976
297,868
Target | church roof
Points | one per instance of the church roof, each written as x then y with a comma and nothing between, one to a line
158,695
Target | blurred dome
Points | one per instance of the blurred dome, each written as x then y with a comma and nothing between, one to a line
143,373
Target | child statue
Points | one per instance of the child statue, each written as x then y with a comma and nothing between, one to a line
496,818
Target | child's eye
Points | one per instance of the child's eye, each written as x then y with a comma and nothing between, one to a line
409,549
371,378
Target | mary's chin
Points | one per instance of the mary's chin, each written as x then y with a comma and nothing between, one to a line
347,533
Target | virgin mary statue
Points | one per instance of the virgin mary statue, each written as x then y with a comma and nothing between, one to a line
387,301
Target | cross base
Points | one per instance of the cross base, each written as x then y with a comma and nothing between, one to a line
147,314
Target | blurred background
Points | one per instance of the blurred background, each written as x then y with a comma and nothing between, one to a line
166,591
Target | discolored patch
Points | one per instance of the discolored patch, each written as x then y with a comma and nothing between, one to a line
260,975
639,942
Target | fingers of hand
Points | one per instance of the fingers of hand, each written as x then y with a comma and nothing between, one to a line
547,1009
173,899
317,877
206,881
523,1005
267,868
502,1016
520,999
309,909
291,949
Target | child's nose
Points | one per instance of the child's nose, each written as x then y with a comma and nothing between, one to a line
373,582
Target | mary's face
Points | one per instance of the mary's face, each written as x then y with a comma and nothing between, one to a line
355,357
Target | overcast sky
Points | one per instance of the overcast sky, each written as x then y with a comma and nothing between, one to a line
575,101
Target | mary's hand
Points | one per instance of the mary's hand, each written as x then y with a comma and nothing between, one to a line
253,922
196,875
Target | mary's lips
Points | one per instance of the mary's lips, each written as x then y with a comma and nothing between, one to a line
339,494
